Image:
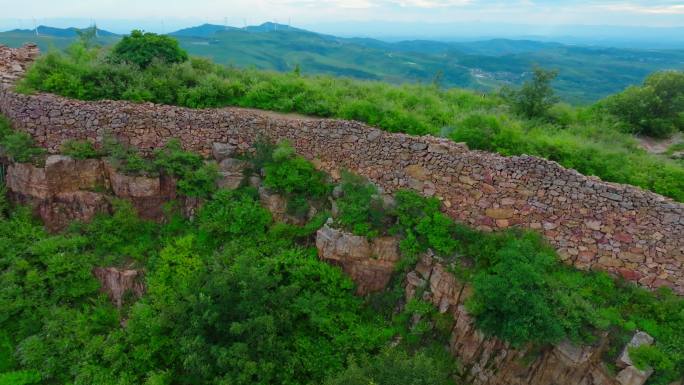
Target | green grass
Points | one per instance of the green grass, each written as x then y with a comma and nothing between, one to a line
582,138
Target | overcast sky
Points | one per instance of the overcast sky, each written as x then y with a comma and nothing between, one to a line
165,15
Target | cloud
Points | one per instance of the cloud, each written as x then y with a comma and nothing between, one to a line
662,9
431,3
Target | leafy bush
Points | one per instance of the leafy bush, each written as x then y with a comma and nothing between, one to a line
397,367
535,97
422,225
233,214
79,149
295,177
655,109
21,148
360,206
195,178
143,48
127,159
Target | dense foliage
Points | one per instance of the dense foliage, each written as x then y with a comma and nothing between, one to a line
228,301
655,108
360,207
144,48
582,138
295,177
18,146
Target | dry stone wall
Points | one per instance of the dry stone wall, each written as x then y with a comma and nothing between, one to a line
593,224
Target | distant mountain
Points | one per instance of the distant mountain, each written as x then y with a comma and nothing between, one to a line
204,30
586,73
274,27
60,32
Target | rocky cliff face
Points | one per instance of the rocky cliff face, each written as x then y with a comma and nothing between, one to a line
593,224
489,361
486,360
370,263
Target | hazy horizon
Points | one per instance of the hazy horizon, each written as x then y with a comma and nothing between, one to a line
389,19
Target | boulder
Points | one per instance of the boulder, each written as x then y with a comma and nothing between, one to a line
221,151
231,173
275,203
640,338
633,376
127,186
369,263
118,282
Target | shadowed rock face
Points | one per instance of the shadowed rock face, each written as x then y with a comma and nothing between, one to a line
117,283
593,224
370,264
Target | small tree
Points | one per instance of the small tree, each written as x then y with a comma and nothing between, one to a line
536,96
143,48
655,108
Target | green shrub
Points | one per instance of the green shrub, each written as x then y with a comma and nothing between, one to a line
649,356
200,183
396,367
126,158
21,148
535,97
295,177
79,149
143,48
360,206
232,214
422,225
195,177
655,108
5,127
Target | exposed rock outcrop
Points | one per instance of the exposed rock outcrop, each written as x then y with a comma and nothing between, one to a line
118,283
490,361
369,263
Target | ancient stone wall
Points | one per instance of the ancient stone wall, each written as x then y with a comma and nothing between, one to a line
593,224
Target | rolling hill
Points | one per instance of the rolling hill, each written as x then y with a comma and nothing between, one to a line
586,73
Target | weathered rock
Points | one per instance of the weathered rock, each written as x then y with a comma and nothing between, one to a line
147,194
221,151
417,171
633,376
127,186
370,264
63,208
275,203
500,213
118,282
27,180
231,173
489,361
65,174
640,338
